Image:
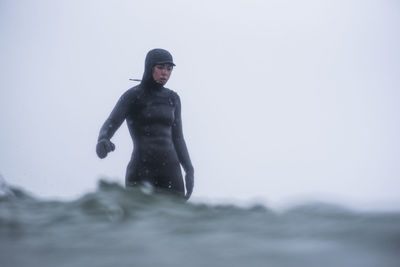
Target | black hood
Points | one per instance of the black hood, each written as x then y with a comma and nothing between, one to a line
154,57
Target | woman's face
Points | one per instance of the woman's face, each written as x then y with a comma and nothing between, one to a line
161,73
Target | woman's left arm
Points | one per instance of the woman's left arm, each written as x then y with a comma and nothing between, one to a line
181,149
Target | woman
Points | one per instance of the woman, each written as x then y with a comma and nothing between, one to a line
153,115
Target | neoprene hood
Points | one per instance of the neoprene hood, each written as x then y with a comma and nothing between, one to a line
154,57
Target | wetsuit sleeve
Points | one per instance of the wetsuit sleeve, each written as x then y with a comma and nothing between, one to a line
179,141
117,116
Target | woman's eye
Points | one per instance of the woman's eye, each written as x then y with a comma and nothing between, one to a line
161,67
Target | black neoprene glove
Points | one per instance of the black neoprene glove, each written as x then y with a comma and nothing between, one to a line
103,147
189,181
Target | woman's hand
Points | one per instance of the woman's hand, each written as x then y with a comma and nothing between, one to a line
189,181
103,147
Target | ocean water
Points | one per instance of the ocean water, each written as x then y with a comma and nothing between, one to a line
116,227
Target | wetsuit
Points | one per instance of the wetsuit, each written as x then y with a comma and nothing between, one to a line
153,116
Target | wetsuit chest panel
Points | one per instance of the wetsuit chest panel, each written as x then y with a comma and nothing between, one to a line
152,109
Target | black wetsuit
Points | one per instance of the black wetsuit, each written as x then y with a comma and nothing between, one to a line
153,115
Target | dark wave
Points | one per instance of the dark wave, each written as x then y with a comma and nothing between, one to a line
116,226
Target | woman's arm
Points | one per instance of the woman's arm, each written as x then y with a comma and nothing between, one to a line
112,124
181,149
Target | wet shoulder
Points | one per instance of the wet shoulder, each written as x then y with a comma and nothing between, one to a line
173,95
131,95
132,92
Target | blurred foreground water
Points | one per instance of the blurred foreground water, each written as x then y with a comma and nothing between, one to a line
118,227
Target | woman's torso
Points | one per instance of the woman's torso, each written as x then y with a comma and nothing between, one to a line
150,120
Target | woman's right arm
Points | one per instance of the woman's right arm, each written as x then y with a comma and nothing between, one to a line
113,122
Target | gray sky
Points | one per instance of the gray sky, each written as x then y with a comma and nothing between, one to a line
282,100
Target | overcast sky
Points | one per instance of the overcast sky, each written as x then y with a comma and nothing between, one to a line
281,100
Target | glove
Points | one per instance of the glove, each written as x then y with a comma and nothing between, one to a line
189,181
103,147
